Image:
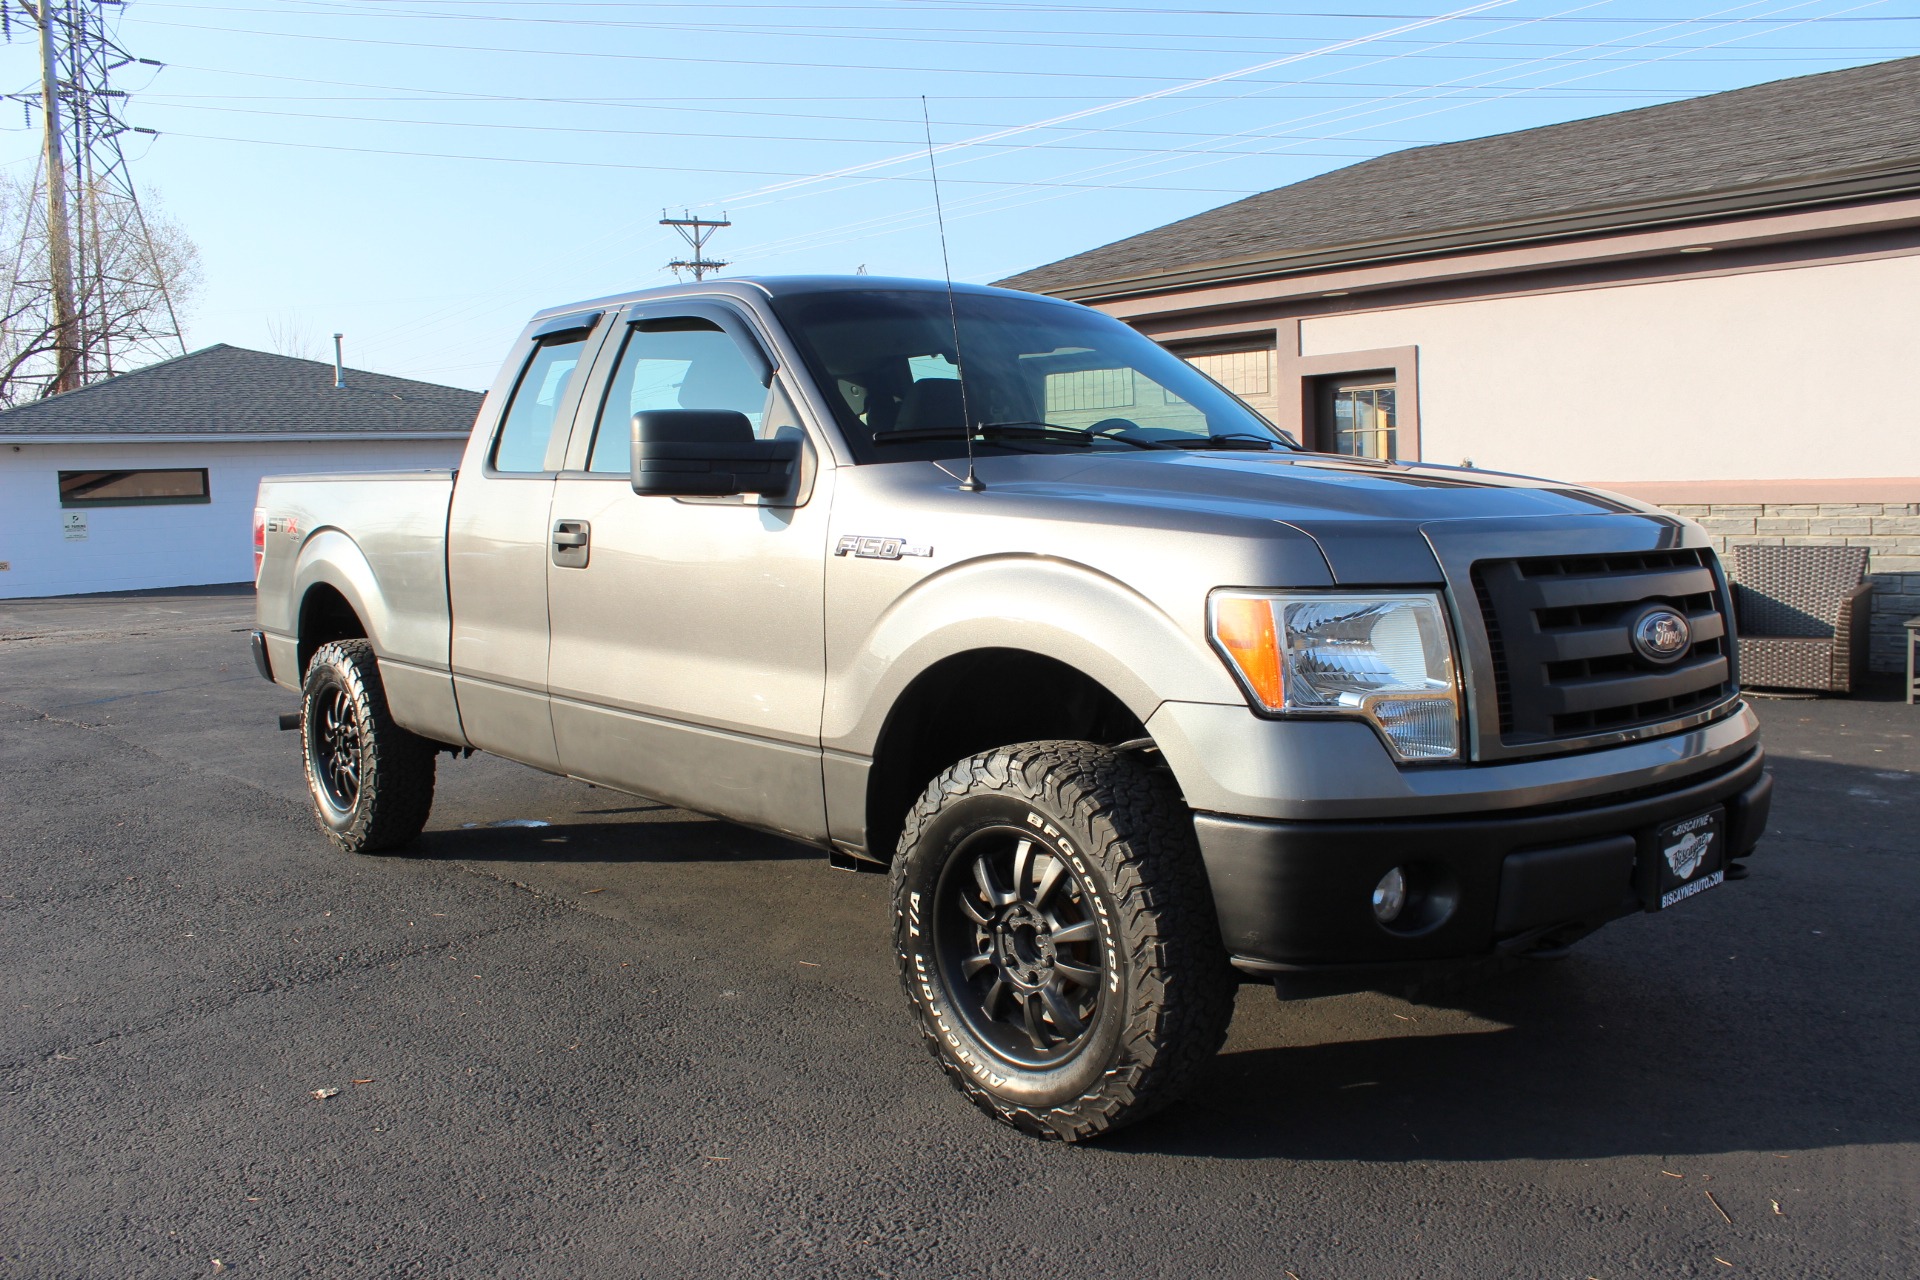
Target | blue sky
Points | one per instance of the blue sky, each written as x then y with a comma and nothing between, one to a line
423,174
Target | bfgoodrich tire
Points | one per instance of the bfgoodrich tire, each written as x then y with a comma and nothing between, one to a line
1056,937
371,780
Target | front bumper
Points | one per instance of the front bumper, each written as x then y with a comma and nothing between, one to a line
1296,897
1229,760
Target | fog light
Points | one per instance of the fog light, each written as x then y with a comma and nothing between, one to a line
1390,896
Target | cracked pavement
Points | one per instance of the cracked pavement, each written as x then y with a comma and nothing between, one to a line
635,1041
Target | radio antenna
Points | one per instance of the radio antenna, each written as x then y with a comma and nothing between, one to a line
972,483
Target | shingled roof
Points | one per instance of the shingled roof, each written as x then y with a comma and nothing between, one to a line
223,391
1823,138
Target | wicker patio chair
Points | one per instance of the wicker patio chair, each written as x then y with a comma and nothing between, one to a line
1803,616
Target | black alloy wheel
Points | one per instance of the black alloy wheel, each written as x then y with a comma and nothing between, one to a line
335,749
1056,937
1019,945
370,779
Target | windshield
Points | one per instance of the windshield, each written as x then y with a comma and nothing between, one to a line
1040,376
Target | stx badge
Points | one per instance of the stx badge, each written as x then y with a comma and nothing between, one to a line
855,544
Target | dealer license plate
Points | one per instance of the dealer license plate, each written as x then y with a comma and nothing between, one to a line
1689,857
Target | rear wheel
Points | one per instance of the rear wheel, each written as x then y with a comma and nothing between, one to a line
1056,936
371,780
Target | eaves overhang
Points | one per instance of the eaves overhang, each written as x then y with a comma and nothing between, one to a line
1831,189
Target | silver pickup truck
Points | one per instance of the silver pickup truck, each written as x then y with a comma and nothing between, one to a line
1134,698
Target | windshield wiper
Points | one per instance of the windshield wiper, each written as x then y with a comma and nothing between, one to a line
1009,431
1230,440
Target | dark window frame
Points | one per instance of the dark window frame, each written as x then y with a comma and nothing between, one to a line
204,497
1325,435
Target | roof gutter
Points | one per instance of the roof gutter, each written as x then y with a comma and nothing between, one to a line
1833,189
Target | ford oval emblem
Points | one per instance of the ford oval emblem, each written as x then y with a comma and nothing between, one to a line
1662,635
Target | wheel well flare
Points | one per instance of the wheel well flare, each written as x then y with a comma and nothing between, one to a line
972,702
325,616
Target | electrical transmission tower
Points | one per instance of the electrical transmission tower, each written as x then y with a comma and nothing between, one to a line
696,232
88,294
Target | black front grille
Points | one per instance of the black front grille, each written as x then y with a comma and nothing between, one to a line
1560,632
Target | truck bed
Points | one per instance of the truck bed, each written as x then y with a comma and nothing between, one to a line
378,539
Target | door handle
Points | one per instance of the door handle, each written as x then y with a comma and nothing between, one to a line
569,533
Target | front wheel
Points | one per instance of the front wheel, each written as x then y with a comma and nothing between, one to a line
1056,937
370,779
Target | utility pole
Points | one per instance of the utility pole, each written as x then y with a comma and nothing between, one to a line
696,232
105,288
59,245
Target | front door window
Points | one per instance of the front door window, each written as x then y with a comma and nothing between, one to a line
674,362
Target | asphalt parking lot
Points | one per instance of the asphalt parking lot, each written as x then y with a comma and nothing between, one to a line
636,1042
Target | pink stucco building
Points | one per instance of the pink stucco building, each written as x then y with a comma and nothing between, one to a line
1711,304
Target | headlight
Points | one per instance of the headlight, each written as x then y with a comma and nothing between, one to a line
1384,657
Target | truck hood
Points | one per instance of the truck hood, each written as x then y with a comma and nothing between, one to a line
1374,521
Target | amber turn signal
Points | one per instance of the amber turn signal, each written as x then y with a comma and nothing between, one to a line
1244,627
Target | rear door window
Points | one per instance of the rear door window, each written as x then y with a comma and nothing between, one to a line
528,427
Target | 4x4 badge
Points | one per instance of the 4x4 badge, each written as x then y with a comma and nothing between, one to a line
855,544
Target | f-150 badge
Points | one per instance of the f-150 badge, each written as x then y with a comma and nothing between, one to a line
866,548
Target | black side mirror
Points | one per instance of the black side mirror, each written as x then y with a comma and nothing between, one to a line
707,452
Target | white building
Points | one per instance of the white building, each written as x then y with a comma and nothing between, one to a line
148,479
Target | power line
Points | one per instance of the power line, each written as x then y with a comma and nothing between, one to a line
1110,169
900,220
986,6
491,126
1187,95
193,100
1003,201
783,63
1241,75
1459,90
823,66
1412,95
471,95
1183,105
1607,69
1021,36
1069,117
656,168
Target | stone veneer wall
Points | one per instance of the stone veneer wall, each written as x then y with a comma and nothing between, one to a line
1891,531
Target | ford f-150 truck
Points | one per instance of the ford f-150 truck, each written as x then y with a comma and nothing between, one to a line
1133,697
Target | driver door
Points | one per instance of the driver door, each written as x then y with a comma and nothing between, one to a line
688,652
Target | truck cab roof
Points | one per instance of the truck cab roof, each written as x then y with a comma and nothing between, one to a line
748,287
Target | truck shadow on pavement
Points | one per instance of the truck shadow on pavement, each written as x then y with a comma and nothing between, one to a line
1540,1090
1774,1019
672,837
